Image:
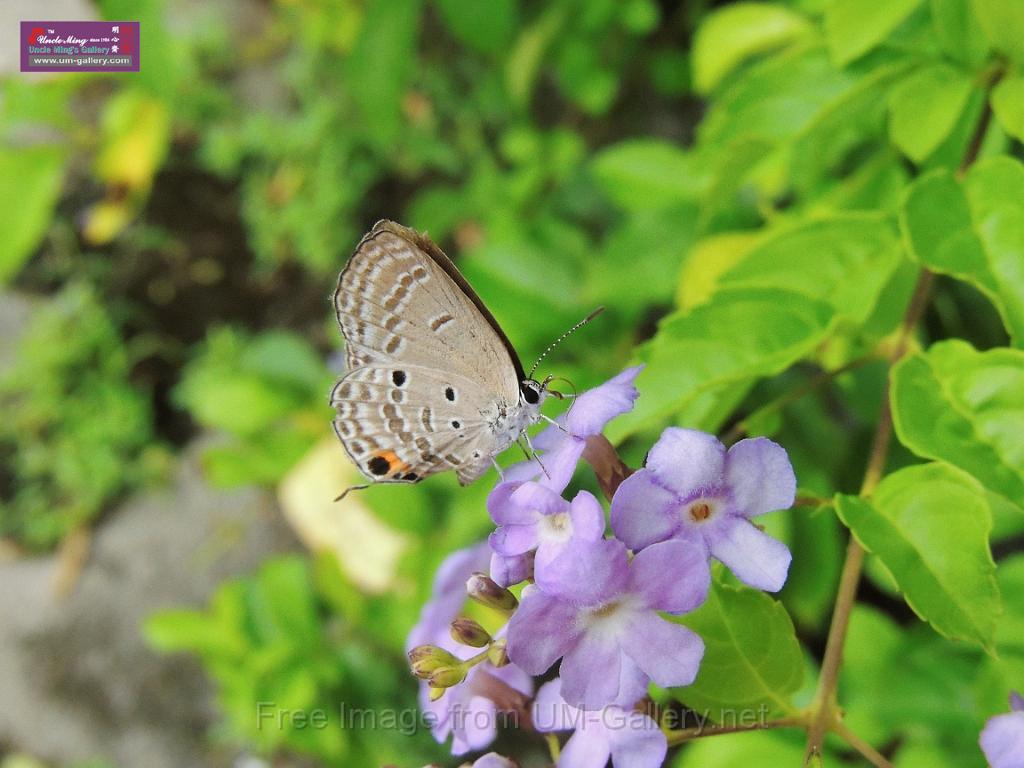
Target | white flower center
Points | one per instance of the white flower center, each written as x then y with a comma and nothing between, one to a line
700,510
555,529
611,619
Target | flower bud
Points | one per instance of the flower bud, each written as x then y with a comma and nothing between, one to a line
436,693
425,659
468,632
497,654
486,592
446,677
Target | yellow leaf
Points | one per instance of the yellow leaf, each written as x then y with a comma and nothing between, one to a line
707,261
367,549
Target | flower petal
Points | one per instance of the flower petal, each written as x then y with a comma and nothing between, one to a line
587,517
1016,702
596,407
636,741
668,653
539,499
511,540
671,575
507,571
551,712
632,683
590,672
541,630
448,594
475,727
759,476
559,463
644,511
687,460
1002,740
502,507
585,572
753,556
587,748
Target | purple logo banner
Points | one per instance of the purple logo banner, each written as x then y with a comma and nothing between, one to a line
79,46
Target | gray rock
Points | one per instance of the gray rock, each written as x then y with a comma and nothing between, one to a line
77,679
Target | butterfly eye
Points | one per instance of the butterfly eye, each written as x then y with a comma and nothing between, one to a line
531,391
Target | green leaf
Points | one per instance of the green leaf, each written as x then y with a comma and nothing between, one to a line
741,335
925,107
770,309
973,231
649,246
485,27
776,99
1003,24
731,35
641,174
929,524
30,181
752,656
381,63
1008,105
965,407
854,27
187,630
741,750
872,642
958,31
816,539
844,260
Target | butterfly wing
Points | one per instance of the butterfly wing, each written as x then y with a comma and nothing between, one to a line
400,298
401,422
427,360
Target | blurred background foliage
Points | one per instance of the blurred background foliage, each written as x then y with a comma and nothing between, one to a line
729,179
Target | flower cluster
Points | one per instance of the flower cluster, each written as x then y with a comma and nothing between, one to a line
602,606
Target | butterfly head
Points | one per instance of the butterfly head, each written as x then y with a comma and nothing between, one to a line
533,392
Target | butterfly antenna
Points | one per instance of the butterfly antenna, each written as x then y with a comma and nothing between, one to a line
562,338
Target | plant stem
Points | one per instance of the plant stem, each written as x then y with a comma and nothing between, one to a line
823,709
740,427
700,731
869,753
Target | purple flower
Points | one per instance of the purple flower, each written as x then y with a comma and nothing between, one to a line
534,518
563,445
506,571
1002,739
630,739
448,594
692,489
600,612
470,712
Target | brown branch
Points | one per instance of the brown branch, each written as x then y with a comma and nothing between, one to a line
824,710
700,731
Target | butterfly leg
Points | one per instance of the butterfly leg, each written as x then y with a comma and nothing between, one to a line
497,466
532,454
549,420
345,493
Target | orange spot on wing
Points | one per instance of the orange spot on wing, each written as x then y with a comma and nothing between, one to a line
395,464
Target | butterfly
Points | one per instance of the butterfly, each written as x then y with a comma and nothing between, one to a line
433,383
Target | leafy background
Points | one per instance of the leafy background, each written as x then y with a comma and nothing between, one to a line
751,189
